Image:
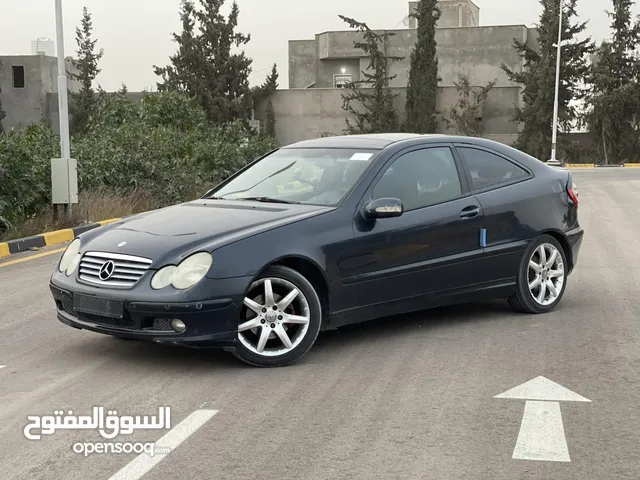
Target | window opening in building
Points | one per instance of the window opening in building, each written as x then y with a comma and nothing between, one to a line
18,77
341,80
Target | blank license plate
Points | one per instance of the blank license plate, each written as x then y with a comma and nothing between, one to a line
98,306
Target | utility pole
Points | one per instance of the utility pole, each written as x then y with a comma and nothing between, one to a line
554,140
64,173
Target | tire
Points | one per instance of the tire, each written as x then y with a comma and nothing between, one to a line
263,328
526,299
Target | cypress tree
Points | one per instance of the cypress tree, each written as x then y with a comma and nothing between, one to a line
82,102
614,101
422,90
270,124
538,78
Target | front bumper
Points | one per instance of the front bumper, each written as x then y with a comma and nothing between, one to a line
211,323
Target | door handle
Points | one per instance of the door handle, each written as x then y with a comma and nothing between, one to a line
470,212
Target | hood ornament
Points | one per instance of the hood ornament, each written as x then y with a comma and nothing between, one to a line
122,244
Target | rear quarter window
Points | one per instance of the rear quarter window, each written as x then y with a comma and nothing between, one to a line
488,170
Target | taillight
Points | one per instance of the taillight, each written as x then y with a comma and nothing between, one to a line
573,194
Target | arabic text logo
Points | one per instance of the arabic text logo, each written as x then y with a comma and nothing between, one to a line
109,426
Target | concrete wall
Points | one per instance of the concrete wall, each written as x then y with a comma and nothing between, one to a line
476,51
303,114
28,105
302,63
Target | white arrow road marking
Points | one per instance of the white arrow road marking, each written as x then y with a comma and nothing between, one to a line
541,435
541,388
140,465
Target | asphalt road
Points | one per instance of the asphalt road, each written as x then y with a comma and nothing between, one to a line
403,398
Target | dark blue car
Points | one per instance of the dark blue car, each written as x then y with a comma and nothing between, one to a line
324,233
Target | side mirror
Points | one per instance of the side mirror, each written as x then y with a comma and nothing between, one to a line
384,208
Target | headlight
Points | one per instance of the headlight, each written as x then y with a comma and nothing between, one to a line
163,277
70,258
185,275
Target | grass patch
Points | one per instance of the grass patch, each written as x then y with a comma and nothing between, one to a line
93,206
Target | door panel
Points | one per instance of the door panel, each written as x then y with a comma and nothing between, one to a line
501,187
433,246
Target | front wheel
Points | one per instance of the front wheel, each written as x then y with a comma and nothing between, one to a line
279,320
542,277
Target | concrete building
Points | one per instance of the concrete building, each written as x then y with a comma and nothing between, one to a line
26,81
453,13
319,68
43,45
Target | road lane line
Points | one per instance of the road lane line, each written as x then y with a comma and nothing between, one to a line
32,257
2,366
141,465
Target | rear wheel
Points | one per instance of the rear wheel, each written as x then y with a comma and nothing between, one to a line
542,277
279,320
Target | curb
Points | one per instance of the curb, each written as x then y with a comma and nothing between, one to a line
593,165
48,239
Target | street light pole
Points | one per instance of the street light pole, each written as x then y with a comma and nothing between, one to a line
64,183
554,140
63,102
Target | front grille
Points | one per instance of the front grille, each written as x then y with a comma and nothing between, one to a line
99,319
125,270
67,306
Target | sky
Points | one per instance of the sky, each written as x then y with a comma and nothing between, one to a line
136,34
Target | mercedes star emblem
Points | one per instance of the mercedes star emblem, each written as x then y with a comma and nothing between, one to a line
106,270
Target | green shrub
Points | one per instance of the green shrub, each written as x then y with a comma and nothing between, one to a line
162,144
25,173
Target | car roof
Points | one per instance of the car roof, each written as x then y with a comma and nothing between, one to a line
376,141
380,141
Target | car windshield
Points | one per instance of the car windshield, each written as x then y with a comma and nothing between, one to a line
311,176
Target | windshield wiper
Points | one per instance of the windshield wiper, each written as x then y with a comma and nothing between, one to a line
267,200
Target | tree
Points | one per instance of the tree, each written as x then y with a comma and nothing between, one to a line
270,124
204,66
86,65
614,101
3,115
538,78
271,83
377,113
267,89
465,117
422,90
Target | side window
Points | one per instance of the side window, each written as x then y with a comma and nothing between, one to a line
421,178
488,169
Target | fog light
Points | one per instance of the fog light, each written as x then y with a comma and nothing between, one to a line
178,325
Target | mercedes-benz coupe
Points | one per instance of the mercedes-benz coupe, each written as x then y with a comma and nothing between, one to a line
327,232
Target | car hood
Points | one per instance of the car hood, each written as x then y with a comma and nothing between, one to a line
178,229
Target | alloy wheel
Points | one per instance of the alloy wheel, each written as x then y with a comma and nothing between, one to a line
546,274
276,317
